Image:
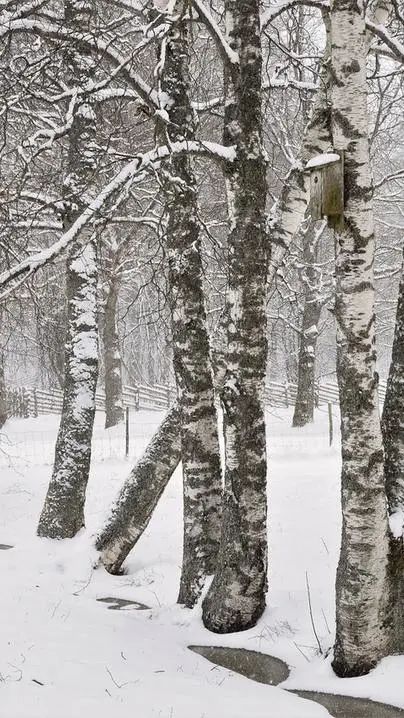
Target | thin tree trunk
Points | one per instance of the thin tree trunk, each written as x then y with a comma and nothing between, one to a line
306,388
306,382
114,411
3,393
288,213
63,512
236,598
393,438
361,586
200,451
140,494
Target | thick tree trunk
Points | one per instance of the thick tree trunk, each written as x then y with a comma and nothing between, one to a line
192,365
361,587
305,398
393,438
114,411
63,512
140,494
236,598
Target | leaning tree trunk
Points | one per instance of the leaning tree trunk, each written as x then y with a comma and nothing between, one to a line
393,437
236,598
140,494
114,411
63,512
200,451
361,637
306,382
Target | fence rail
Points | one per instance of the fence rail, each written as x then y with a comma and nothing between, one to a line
30,401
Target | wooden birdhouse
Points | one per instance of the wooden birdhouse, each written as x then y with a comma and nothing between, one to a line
327,187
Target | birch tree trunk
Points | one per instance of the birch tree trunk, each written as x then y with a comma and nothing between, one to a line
140,494
305,397
288,213
63,512
200,451
236,598
393,438
114,411
3,393
361,586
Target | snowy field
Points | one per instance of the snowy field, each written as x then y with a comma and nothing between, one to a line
65,655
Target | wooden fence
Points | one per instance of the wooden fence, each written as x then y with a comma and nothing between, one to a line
28,401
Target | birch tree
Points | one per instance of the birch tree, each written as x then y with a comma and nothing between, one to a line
313,302
361,637
199,433
140,494
63,511
236,598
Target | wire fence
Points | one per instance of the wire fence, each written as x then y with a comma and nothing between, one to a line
32,443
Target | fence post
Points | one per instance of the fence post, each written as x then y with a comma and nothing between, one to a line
168,396
287,394
330,424
24,403
127,432
137,400
35,403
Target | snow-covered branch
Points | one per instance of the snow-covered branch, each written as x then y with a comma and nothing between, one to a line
226,51
132,171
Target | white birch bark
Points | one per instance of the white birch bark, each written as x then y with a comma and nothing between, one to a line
200,451
361,587
63,512
236,598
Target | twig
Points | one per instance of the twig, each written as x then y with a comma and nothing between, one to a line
311,616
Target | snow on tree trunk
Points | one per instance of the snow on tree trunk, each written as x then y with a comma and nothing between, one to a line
361,586
393,438
305,397
236,598
140,494
201,467
114,411
63,512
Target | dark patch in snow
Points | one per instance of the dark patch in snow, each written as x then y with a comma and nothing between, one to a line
349,707
257,666
117,604
5,547
262,668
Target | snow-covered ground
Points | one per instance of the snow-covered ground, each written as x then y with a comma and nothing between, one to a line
65,655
